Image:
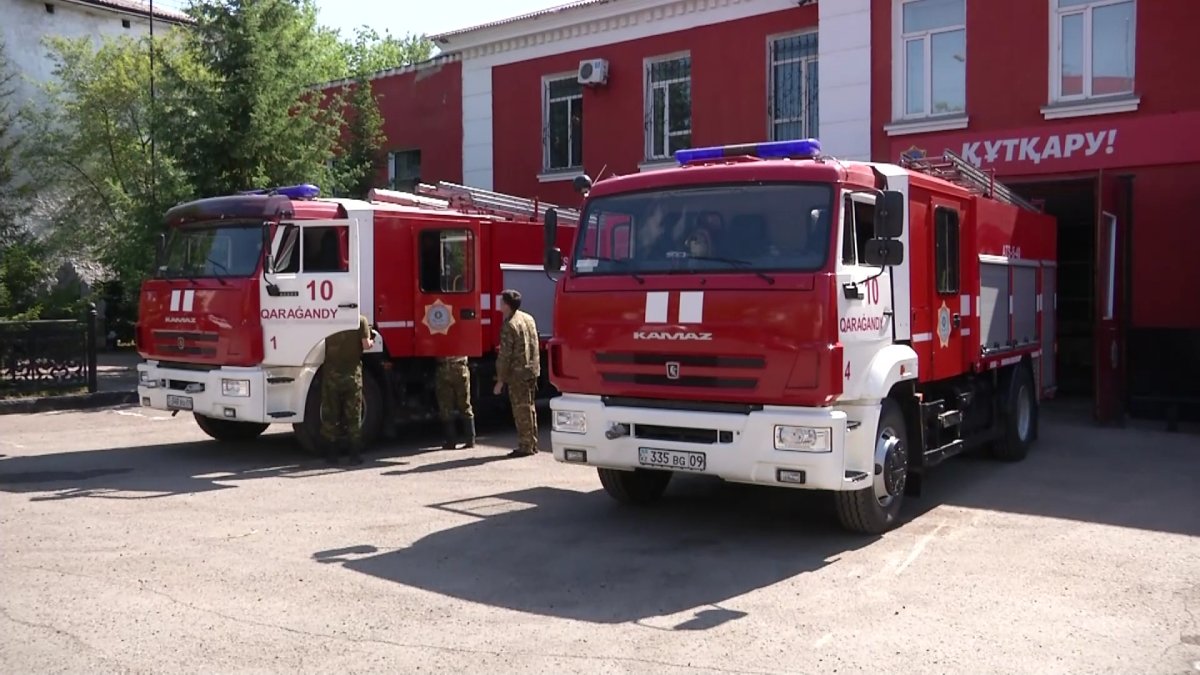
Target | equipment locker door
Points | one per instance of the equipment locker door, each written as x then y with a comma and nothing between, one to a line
948,303
311,290
1110,347
448,321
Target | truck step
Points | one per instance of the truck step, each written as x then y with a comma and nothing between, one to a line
950,418
935,456
281,414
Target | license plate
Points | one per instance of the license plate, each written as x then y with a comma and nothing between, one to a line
179,403
677,460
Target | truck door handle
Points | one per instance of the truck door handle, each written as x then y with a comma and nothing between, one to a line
957,320
467,313
349,305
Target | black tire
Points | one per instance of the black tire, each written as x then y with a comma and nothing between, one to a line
864,510
638,487
1019,426
308,432
229,430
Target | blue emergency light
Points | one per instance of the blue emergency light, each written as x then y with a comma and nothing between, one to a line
302,191
807,148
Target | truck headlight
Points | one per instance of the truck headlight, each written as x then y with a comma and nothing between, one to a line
235,388
143,376
803,439
570,422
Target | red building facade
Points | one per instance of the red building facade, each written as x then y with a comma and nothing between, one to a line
1079,105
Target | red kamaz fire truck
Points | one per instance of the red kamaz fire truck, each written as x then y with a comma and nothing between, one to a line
248,287
769,315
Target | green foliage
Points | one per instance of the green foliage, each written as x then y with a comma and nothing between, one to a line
236,105
22,273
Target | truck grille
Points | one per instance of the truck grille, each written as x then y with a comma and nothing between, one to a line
655,432
661,365
184,343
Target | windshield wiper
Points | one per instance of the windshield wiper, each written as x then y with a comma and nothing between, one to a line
624,262
224,269
734,262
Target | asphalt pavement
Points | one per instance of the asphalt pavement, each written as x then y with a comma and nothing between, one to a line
130,543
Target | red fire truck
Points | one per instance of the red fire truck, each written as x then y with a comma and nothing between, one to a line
766,314
232,326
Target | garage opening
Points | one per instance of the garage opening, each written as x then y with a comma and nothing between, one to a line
1073,204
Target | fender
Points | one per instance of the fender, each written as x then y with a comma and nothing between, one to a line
884,371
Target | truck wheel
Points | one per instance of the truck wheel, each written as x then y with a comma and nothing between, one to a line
639,487
229,430
1019,418
876,509
308,432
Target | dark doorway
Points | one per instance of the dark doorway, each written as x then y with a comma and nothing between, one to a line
1073,205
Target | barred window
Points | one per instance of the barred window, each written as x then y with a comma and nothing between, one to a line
668,106
793,81
562,122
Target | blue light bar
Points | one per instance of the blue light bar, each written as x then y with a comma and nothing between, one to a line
302,191
807,148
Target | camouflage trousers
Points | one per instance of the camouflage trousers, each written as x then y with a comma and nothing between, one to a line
341,406
454,391
520,396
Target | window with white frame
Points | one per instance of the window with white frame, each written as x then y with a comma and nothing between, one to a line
562,123
931,42
1092,47
668,106
793,81
404,170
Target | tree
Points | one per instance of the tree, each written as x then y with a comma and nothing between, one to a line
89,147
22,272
257,122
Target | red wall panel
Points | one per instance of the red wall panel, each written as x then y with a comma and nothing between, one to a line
422,110
1165,238
1008,52
729,99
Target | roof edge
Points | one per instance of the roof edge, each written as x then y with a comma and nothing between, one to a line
432,62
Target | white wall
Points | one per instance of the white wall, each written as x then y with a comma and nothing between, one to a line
844,71
25,23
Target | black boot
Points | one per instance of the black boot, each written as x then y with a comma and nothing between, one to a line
469,427
355,452
331,452
450,428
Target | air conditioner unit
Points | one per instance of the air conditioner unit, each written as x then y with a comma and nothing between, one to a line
593,71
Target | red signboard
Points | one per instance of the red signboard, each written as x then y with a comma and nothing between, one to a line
1086,144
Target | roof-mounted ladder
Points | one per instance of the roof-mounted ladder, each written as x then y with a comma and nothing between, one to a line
954,169
469,199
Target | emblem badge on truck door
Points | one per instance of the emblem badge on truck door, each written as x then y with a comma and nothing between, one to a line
438,317
672,370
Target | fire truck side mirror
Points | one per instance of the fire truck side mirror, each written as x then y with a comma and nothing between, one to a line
552,256
883,252
889,215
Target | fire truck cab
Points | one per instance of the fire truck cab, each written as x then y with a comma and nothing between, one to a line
233,324
766,314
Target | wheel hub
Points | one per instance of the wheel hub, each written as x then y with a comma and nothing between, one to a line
891,466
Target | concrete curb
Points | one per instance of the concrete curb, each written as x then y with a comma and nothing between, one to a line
68,402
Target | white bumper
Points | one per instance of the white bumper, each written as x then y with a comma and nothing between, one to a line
165,388
744,451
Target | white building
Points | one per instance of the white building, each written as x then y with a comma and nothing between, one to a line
24,25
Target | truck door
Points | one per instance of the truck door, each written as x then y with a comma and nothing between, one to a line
1111,200
948,305
447,321
311,290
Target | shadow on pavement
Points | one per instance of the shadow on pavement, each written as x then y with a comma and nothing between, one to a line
154,471
581,556
1138,478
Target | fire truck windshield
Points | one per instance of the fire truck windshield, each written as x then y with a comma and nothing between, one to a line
225,250
759,227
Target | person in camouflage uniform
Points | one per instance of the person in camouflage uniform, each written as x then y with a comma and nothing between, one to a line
341,392
454,400
518,366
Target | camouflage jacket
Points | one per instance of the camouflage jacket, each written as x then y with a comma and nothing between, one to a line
520,351
343,350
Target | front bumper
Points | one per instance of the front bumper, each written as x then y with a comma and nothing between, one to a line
745,450
162,387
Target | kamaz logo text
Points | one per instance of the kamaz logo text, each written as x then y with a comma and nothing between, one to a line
671,337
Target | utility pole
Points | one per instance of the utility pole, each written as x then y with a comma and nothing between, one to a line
153,158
